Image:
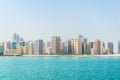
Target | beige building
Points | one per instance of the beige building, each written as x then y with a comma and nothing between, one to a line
20,50
93,51
25,50
11,52
55,45
77,42
7,46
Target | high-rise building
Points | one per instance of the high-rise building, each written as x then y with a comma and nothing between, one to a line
48,51
13,45
31,48
62,47
119,46
78,46
7,48
110,47
84,46
25,50
20,50
55,45
91,44
7,45
97,46
1,48
16,38
72,45
89,47
47,48
22,43
102,48
67,47
38,47
47,44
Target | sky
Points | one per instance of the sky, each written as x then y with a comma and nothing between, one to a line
42,19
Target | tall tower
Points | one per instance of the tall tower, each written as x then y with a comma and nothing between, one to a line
110,46
97,46
55,44
89,47
78,46
1,48
38,47
67,47
31,48
119,46
16,38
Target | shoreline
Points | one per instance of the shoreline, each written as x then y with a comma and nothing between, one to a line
110,55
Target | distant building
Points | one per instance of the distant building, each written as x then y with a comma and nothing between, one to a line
67,47
22,43
84,46
1,48
25,50
16,38
49,50
72,46
55,45
97,46
119,46
93,51
31,48
89,47
77,42
7,46
62,47
91,44
10,48
38,47
13,45
109,47
47,44
102,48
20,50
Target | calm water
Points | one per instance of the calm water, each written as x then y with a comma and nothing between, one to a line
59,68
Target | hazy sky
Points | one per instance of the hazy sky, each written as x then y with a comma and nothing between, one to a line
34,19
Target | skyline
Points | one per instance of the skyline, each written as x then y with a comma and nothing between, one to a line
78,45
44,19
102,47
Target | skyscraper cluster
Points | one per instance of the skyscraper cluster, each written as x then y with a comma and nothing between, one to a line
78,45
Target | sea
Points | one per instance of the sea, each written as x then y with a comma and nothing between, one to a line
59,68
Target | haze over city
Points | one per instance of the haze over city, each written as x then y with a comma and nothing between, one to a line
42,19
59,39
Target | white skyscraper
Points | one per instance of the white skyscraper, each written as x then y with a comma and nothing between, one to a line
119,46
31,48
16,38
109,46
38,47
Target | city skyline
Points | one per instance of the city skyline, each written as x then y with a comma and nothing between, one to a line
77,45
44,19
18,39
59,39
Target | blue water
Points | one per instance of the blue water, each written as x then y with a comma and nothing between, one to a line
59,68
